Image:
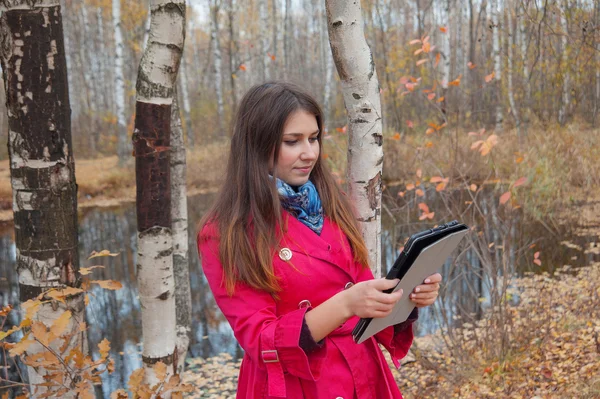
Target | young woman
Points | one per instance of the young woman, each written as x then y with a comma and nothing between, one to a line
286,263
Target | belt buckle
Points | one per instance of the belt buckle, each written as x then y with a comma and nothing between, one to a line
270,360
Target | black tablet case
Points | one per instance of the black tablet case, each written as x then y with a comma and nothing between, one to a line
435,245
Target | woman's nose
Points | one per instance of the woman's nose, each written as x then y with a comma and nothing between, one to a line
309,153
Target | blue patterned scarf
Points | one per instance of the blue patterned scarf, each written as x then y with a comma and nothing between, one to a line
304,203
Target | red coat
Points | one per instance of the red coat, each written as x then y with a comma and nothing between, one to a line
268,330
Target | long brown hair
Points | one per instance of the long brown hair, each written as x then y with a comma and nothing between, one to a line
248,210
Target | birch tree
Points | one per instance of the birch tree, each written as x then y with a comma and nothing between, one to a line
360,87
263,12
179,219
217,64
185,97
564,106
497,63
151,141
526,79
597,41
233,54
42,167
510,42
122,145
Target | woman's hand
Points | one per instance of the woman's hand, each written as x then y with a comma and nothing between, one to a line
426,294
366,299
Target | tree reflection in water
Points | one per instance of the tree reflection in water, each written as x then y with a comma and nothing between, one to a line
499,246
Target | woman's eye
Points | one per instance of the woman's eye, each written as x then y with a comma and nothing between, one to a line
314,139
290,142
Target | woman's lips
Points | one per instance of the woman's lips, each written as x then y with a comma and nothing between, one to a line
303,170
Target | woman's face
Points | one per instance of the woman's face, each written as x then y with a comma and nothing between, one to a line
299,148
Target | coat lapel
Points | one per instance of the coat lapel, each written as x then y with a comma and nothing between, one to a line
331,246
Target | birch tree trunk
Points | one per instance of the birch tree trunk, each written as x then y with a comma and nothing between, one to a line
446,48
42,167
151,140
185,96
329,78
510,42
233,55
263,13
526,82
287,36
217,65
179,220
497,64
123,149
360,87
104,97
597,41
564,106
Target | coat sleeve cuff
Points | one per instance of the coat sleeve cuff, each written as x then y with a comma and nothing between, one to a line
412,317
294,358
307,342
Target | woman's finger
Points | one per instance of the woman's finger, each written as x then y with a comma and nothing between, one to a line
424,295
427,287
434,278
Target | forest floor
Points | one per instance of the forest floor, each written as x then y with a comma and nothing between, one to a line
551,350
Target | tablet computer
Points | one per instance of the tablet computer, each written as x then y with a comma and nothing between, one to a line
423,254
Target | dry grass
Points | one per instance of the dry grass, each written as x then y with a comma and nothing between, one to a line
560,164
102,182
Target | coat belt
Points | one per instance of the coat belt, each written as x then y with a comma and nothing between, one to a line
270,357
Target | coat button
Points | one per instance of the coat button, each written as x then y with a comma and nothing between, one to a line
339,397
285,254
305,303
348,285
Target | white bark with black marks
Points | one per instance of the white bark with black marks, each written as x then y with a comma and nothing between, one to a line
155,89
123,148
510,43
217,65
263,13
42,169
179,220
360,87
565,97
497,63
